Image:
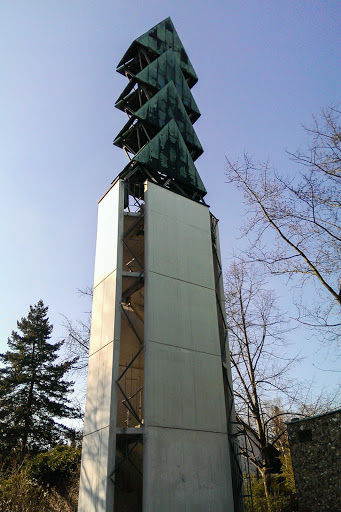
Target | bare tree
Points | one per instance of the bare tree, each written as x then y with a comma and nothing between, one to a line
295,220
260,367
77,338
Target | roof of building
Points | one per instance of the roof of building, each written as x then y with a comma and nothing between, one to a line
299,420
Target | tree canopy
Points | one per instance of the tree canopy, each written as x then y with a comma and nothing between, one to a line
33,388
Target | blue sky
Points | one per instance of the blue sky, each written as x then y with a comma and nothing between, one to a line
264,68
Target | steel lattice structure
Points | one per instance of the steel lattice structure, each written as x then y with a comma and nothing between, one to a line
159,137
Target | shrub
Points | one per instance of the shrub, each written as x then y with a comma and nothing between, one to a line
48,482
19,492
57,467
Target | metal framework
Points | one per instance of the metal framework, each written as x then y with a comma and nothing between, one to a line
129,437
159,139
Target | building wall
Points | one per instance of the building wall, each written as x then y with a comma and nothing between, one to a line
96,492
315,445
186,459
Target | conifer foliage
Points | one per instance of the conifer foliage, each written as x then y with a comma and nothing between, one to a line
33,388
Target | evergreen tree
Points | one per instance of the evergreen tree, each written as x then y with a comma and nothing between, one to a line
33,389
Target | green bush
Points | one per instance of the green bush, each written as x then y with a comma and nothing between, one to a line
45,483
282,497
57,467
19,492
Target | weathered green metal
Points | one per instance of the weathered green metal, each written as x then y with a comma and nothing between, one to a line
161,71
157,112
157,41
167,153
159,135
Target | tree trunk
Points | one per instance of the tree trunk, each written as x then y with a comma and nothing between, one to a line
266,477
27,421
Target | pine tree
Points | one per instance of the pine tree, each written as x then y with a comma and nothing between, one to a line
33,389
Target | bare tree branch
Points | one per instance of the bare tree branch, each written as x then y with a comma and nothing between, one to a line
294,220
256,332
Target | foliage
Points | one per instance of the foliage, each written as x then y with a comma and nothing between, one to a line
283,492
46,482
20,492
294,221
287,470
57,467
282,498
33,389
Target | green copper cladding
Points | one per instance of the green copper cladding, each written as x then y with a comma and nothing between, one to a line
161,71
168,154
158,40
159,136
157,112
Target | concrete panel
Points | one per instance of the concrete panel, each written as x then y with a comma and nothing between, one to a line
186,451
98,452
103,314
107,233
179,250
185,316
186,471
98,395
183,389
95,492
178,207
178,237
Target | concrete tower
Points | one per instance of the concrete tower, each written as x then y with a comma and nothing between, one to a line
158,432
